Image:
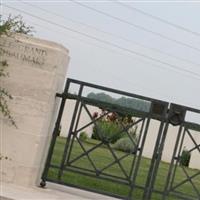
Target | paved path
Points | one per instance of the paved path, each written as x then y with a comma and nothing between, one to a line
52,192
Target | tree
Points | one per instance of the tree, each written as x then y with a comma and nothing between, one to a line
8,27
14,25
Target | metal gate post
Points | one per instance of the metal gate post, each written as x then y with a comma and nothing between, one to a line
176,117
155,160
139,158
54,135
70,133
165,194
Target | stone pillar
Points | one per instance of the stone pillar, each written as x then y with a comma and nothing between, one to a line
37,70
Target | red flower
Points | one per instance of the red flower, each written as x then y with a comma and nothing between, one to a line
95,115
112,117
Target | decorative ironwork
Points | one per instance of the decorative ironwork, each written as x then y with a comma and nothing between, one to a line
161,112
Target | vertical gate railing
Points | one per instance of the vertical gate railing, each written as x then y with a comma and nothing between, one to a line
185,128
164,113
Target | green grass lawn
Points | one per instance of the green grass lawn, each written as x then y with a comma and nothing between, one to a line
102,157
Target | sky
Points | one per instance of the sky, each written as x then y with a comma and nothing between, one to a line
151,48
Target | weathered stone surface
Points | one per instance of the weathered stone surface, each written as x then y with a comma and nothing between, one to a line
4,198
32,79
37,71
33,52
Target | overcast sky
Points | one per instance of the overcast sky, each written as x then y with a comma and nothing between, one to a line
117,46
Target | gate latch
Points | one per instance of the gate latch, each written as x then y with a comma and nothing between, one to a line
176,115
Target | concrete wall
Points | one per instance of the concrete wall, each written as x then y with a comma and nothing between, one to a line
37,71
151,136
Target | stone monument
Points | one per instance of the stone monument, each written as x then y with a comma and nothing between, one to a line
37,70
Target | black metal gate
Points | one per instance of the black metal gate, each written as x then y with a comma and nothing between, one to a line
112,159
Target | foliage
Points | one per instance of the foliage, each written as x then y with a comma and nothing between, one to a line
101,96
83,136
4,95
8,26
133,103
185,158
107,131
14,25
125,144
110,128
4,157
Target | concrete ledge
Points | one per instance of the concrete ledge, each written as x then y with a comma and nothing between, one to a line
53,192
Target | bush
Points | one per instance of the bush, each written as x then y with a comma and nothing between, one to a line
14,25
107,131
83,136
8,26
125,144
185,158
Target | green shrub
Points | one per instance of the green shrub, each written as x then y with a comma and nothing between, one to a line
83,136
125,144
185,158
107,131
8,26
